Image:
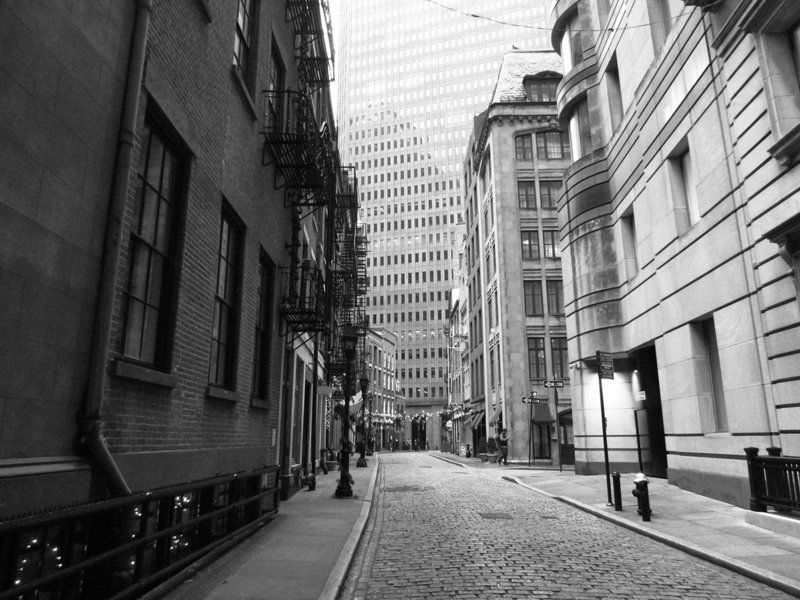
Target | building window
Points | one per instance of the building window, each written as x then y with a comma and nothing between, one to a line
530,245
555,297
551,249
153,251
552,145
580,131
682,188
776,29
550,190
558,347
263,331
526,192
628,226
524,147
709,376
542,88
571,45
243,43
614,93
222,371
534,302
537,369
659,13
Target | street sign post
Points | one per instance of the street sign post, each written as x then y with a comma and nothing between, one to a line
530,399
605,370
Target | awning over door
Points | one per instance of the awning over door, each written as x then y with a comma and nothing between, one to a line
541,413
474,419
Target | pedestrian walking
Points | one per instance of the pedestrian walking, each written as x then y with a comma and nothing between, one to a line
503,441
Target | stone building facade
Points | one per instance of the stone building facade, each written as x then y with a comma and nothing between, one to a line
679,228
517,330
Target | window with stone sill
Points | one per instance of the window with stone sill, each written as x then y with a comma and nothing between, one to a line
153,250
244,41
775,25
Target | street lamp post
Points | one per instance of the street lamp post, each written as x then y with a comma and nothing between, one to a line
344,488
362,460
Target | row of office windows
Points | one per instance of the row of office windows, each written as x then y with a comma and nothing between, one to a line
423,392
403,223
422,372
530,244
401,258
537,364
549,191
401,279
534,298
550,145
413,316
411,297
388,209
148,325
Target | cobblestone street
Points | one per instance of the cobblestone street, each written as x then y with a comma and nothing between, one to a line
438,530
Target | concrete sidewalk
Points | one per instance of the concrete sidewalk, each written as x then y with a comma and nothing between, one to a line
762,546
302,554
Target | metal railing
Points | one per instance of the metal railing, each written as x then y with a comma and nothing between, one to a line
774,480
119,548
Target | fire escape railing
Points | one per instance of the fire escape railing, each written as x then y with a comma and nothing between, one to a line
313,41
348,269
303,298
299,149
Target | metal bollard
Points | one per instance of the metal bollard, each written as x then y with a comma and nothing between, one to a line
617,491
642,495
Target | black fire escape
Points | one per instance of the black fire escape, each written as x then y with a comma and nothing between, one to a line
349,281
300,148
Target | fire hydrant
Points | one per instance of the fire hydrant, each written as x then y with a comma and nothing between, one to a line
642,495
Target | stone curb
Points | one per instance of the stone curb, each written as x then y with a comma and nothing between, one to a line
765,576
337,577
449,460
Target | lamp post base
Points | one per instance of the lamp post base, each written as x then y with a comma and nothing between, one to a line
361,462
344,488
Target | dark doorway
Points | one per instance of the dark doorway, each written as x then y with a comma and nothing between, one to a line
567,437
651,424
419,435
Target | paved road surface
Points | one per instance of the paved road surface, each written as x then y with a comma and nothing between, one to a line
438,530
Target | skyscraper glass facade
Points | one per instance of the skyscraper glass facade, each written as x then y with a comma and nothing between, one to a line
411,77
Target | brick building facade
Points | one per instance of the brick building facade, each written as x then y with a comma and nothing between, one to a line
165,301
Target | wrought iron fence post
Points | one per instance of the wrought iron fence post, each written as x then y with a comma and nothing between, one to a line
777,479
756,481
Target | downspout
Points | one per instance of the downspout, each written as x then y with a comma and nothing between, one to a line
91,437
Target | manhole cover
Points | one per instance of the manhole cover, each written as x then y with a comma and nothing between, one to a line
405,488
495,515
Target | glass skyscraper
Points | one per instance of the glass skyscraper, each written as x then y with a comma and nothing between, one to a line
412,74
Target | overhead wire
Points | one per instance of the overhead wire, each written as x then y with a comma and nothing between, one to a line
543,28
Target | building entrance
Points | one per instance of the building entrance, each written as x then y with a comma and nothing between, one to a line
650,420
567,449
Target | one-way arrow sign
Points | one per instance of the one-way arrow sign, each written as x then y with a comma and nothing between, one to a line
553,384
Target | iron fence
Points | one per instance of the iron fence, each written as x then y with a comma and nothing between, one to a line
774,480
119,548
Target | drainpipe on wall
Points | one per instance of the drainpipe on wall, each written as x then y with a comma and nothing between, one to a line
91,437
